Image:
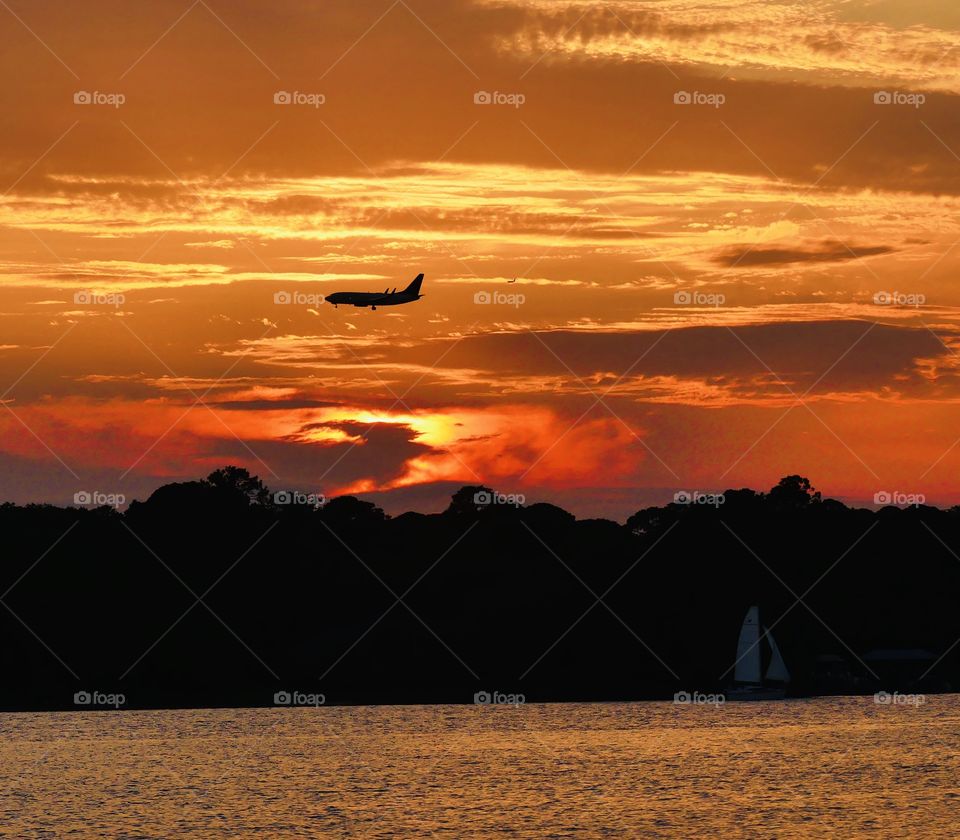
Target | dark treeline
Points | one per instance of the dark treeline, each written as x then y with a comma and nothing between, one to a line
211,593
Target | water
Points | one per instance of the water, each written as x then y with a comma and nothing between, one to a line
824,767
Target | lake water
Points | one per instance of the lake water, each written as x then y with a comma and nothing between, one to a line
824,767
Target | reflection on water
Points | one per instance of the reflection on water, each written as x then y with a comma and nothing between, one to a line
830,767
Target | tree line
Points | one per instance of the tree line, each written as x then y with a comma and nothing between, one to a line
222,592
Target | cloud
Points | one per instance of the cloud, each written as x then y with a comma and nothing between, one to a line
828,251
216,243
825,42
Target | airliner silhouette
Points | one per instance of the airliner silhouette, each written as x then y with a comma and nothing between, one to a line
375,299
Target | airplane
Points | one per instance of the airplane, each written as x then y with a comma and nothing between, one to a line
375,299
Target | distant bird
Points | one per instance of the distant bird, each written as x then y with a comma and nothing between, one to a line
512,281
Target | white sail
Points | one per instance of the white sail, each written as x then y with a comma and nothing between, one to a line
777,670
747,669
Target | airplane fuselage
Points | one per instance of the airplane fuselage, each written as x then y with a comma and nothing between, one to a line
372,299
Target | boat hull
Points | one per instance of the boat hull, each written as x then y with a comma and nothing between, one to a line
749,692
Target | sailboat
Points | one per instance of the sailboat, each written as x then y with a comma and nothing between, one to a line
749,680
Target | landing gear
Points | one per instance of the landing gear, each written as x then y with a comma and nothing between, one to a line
374,308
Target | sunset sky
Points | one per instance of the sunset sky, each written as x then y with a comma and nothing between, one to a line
733,225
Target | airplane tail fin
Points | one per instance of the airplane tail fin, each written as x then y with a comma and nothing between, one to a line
414,287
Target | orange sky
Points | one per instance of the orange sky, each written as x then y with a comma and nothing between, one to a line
733,226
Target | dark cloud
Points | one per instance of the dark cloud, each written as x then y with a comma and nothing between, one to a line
199,100
828,251
380,457
290,404
747,360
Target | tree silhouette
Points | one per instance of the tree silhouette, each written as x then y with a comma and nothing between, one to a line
211,593
468,501
351,512
793,492
238,481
